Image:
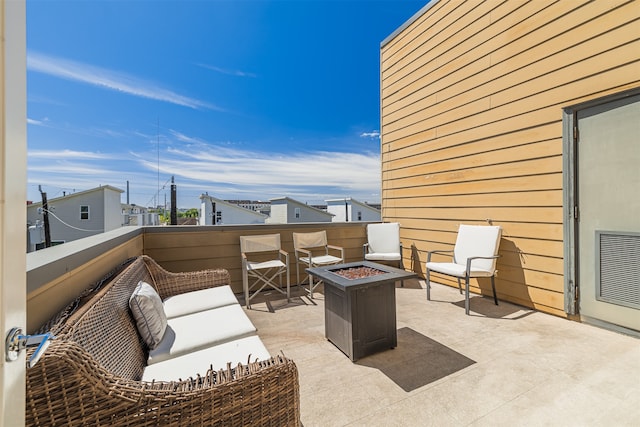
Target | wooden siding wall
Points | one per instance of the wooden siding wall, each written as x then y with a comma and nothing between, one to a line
198,248
471,103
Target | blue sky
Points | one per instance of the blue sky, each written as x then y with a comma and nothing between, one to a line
241,99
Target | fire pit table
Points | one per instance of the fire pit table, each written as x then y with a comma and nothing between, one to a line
360,306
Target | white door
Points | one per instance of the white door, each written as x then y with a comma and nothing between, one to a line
13,212
608,198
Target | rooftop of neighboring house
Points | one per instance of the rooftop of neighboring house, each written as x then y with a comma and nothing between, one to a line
353,201
289,200
67,196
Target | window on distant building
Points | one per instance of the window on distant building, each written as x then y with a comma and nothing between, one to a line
219,217
359,215
297,212
84,212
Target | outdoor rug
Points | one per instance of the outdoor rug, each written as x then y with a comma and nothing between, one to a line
416,361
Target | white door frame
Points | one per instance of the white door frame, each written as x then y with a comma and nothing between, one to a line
13,187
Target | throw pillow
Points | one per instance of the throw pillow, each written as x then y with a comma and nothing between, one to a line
146,306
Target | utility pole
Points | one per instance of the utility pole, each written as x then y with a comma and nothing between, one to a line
346,210
174,208
45,213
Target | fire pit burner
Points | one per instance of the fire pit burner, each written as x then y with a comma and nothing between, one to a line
359,272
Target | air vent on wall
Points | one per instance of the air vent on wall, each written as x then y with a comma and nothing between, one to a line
618,265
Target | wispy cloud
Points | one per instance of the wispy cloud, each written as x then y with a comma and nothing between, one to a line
236,73
110,80
222,170
75,169
35,122
372,134
255,171
184,138
68,154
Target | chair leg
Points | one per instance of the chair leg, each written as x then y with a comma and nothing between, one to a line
401,267
288,280
493,287
262,281
459,285
428,285
245,285
466,295
311,287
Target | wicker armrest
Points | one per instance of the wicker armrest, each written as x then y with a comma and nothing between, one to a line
169,284
67,387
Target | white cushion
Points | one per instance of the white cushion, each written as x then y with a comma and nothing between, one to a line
384,238
241,350
147,310
196,301
383,256
477,240
196,331
321,260
266,264
453,269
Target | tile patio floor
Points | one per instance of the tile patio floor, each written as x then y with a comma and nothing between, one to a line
508,366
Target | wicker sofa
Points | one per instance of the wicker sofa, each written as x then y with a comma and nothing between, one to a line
92,372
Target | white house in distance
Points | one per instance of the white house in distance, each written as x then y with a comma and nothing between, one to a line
285,210
348,209
138,215
77,215
254,205
226,213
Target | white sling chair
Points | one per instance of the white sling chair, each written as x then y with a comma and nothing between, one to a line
263,272
474,255
312,250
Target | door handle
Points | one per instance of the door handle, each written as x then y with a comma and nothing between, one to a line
15,342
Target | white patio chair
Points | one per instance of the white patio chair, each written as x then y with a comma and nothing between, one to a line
263,271
474,255
383,243
312,250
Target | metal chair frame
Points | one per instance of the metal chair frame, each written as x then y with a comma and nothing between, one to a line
307,247
468,273
368,251
263,272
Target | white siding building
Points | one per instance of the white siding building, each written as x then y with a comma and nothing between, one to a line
137,215
214,211
81,214
349,209
287,211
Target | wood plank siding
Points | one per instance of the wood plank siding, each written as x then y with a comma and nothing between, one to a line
472,97
197,248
